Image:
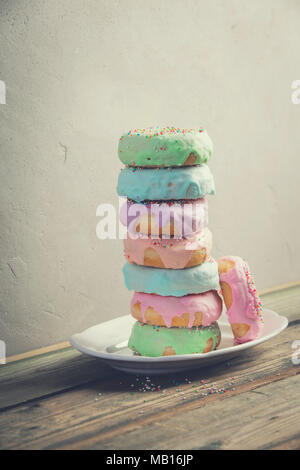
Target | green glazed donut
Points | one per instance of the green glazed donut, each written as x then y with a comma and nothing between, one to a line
153,341
165,147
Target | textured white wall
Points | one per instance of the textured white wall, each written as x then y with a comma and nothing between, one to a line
80,72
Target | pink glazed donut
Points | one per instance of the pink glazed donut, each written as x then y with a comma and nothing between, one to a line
180,219
244,308
181,312
172,253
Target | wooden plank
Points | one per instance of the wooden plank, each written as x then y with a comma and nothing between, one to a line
186,425
291,443
38,352
286,302
81,418
257,419
47,374
279,288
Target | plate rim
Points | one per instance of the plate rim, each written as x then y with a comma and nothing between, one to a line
182,357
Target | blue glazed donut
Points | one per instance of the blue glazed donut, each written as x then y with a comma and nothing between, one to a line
140,184
176,282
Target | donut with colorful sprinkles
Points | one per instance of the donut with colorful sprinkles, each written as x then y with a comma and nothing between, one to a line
164,147
181,312
154,341
244,308
171,253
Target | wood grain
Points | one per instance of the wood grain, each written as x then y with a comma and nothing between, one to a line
76,419
46,375
38,352
257,418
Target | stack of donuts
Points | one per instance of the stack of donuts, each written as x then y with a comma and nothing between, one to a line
176,284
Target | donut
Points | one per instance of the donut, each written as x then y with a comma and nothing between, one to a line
179,219
140,184
171,253
174,282
164,146
147,340
244,308
183,312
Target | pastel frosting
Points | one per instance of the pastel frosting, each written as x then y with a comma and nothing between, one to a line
246,307
208,303
175,253
140,184
187,217
148,340
164,146
172,282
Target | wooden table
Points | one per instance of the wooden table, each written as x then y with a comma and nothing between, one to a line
61,399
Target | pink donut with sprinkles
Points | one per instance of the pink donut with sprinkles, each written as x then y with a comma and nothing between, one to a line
172,253
244,308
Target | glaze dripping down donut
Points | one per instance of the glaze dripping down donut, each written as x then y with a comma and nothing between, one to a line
172,253
244,308
182,312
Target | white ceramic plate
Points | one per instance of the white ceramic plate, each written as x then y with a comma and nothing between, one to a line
108,341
